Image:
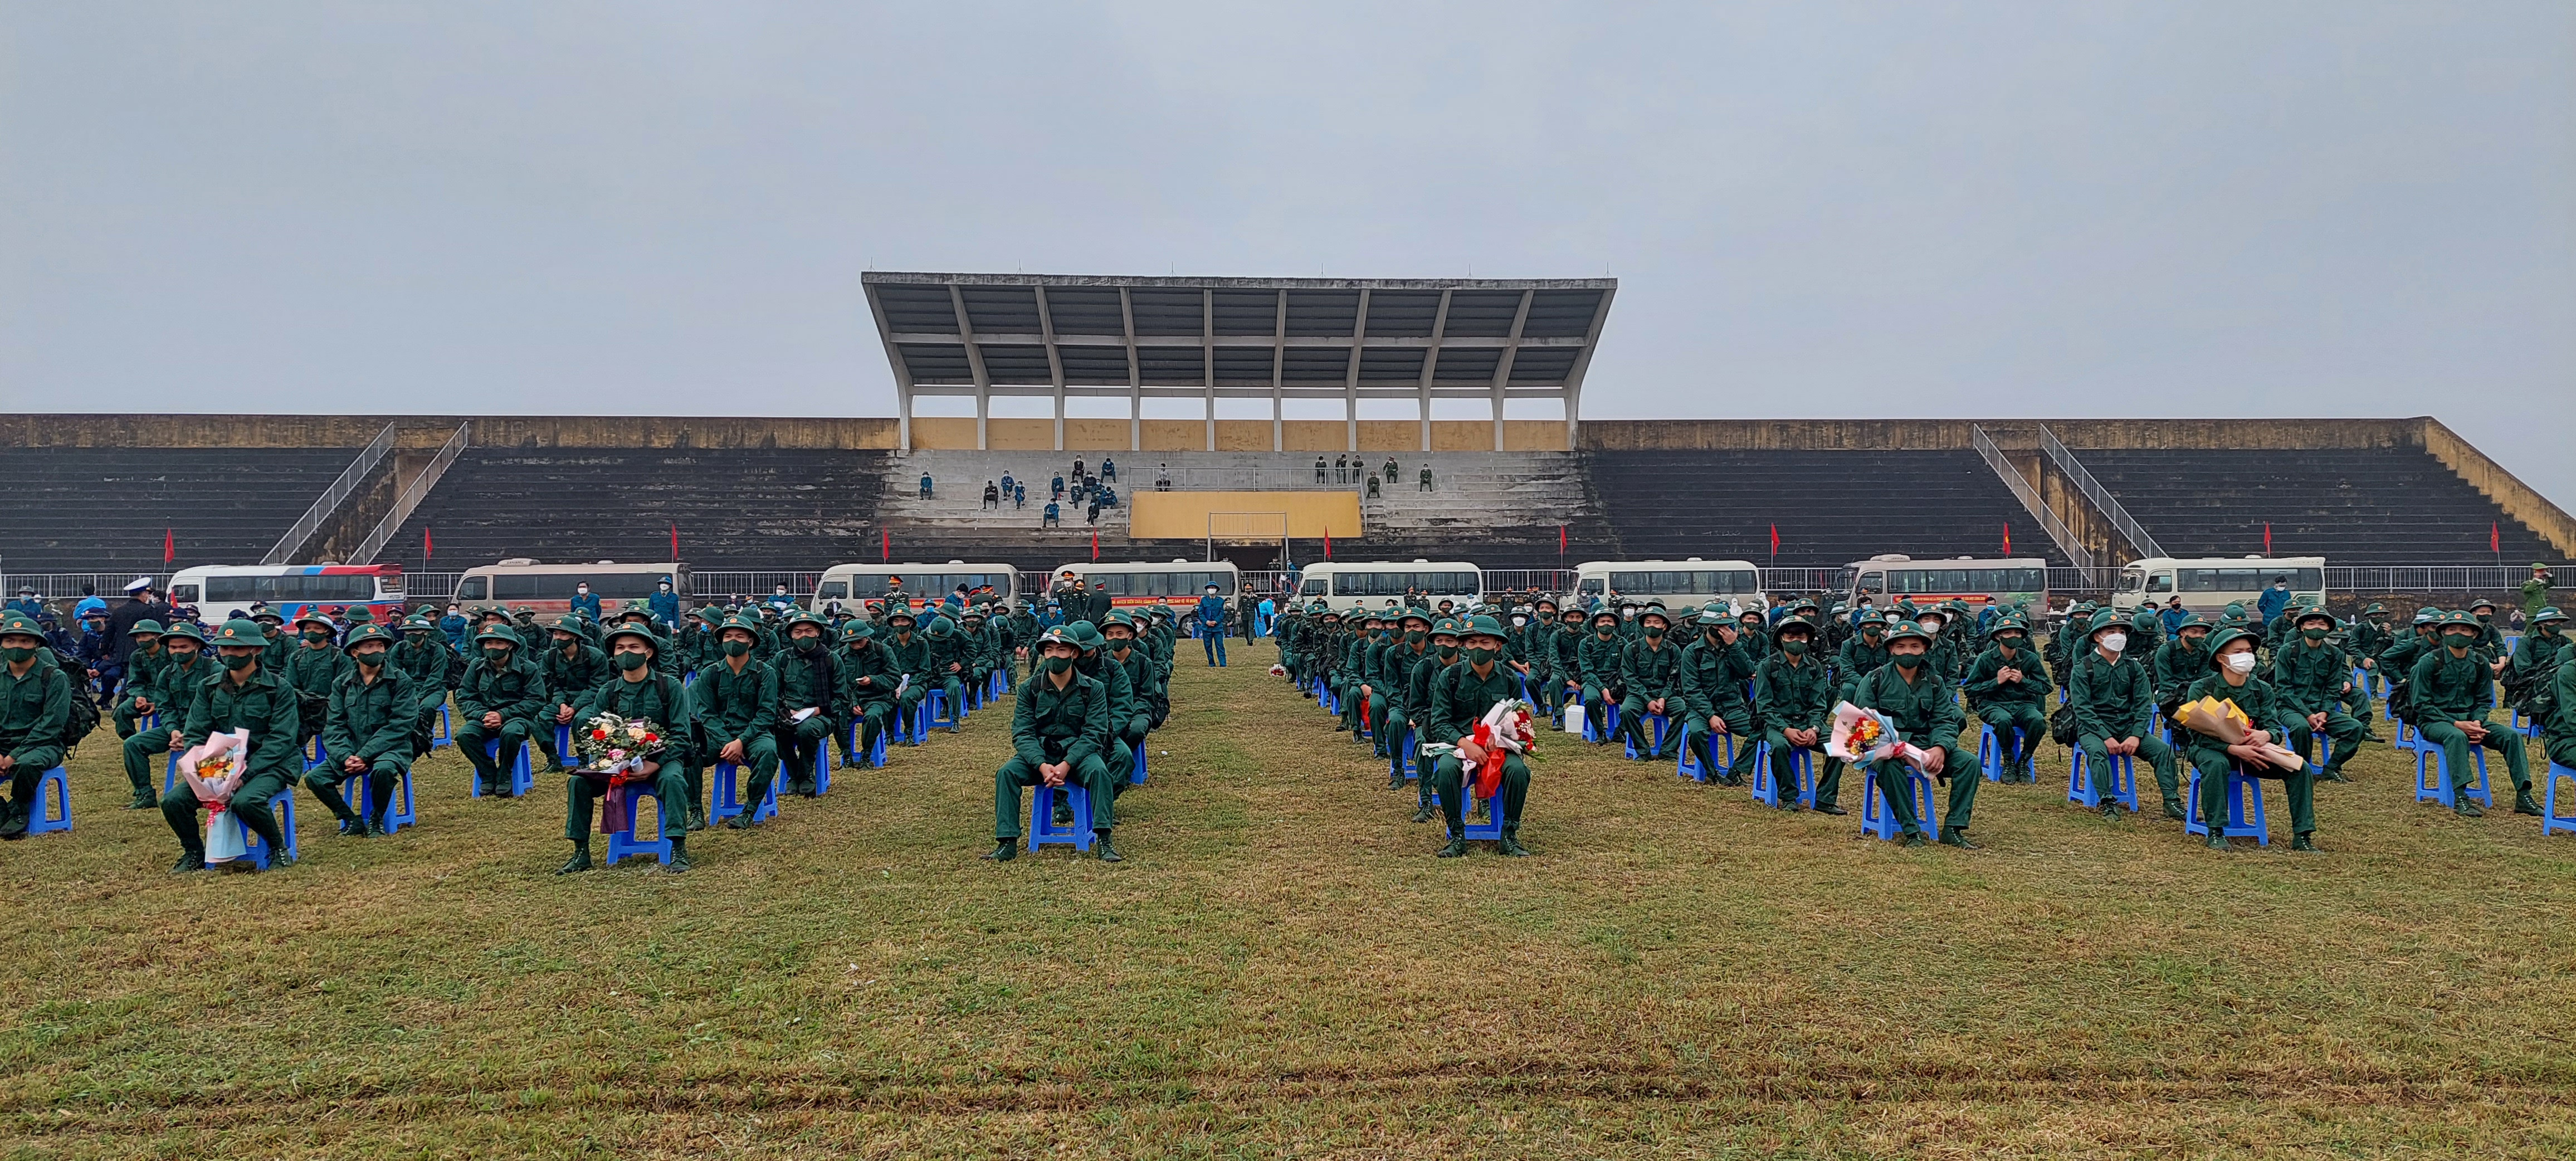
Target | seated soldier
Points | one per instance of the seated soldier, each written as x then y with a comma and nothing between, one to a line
1598,662
2312,674
425,657
2007,687
1361,705
1927,717
1394,681
246,697
1714,670
736,703
2113,696
1650,672
912,656
1132,716
183,670
2450,691
637,692
948,661
1793,700
142,665
572,668
367,733
500,700
312,668
809,678
1461,695
2232,658
35,717
2180,661
867,667
1418,687
1060,736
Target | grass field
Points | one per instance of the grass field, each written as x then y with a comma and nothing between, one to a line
1282,969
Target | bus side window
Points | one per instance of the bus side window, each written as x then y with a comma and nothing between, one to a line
832,590
1589,586
183,594
2160,582
1872,584
470,589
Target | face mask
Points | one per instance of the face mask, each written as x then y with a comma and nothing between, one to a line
1908,662
2483,618
2457,640
1059,664
1870,634
809,645
1448,653
1482,655
1519,622
242,662
17,654
1654,632
2113,642
497,652
2009,642
583,590
2196,641
630,662
737,648
2313,634
1605,631
371,660
1794,648
1414,636
2239,662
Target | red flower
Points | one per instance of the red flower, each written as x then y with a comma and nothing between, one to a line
651,738
598,735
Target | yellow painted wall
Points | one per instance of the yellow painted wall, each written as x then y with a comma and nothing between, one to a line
1184,515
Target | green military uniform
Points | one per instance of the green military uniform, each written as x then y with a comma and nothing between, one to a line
1132,715
312,667
736,700
1861,655
949,659
1927,716
1793,691
2182,660
2114,700
2397,662
1058,716
2560,725
2535,661
1460,698
249,698
2311,674
1418,688
431,663
370,719
1713,673
503,682
868,668
142,665
1394,682
2264,709
572,667
642,693
809,677
1597,659
912,660
1650,671
35,718
174,688
2447,687
2016,709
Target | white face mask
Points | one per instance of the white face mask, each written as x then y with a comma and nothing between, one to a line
2239,662
2113,642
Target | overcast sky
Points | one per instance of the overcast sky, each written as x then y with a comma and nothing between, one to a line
2007,209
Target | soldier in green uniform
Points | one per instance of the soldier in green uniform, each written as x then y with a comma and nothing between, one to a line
637,691
367,732
142,663
1926,715
1714,670
1393,682
1793,702
1862,655
912,670
425,657
184,671
2180,661
2490,642
809,678
35,718
1598,662
736,704
2060,653
1534,643
1123,649
2451,689
974,647
948,661
2232,679
500,700
2368,635
1444,652
2535,661
275,644
868,666
2007,687
2312,674
1060,727
1460,697
2114,698
1650,672
244,696
2397,662
2560,723
1360,704
572,668
313,666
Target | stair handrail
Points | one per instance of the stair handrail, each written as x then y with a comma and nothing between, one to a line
332,497
2057,530
413,494
2103,501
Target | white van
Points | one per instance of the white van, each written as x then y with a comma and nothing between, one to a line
1347,585
847,585
2208,584
1678,584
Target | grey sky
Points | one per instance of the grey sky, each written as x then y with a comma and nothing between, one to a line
1991,209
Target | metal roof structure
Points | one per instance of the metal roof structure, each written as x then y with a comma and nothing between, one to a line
1060,336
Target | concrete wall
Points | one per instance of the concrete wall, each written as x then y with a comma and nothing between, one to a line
1934,434
352,431
2509,493
955,433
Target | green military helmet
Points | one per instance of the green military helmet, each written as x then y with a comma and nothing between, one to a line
1482,625
645,634
1869,618
419,624
18,623
569,623
2546,614
365,633
315,618
181,629
709,614
1087,635
2459,617
804,617
744,622
2299,618
2428,615
1792,621
1446,627
1909,627
238,631
2191,621
1059,635
1119,617
2007,621
1414,615
940,626
361,615
2480,603
857,630
2106,619
501,633
146,627
2225,637
902,612
1657,608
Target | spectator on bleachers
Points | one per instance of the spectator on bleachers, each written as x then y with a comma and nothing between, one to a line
1162,477
1341,469
1426,477
1108,496
992,497
1319,470
1372,487
1391,469
1007,483
1020,496
1091,514
925,485
1053,517
27,603
1108,468
1058,492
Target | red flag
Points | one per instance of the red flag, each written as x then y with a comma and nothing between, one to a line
1560,540
169,546
1328,544
2267,538
425,547
2495,538
1775,540
885,544
2007,538
1095,545
675,542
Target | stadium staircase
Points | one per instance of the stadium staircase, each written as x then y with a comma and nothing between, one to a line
104,510
1831,507
2361,506
751,509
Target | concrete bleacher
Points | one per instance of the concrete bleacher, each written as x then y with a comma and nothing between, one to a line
754,509
105,509
2366,506
1832,507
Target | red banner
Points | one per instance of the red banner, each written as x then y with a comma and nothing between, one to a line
1328,546
675,542
1775,540
885,545
2495,538
2267,538
169,546
2007,538
1095,545
425,545
1560,540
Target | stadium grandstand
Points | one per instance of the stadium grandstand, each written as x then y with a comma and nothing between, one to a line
749,500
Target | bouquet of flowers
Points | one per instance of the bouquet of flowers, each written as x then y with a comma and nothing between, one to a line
1505,729
614,749
1861,736
214,770
2226,722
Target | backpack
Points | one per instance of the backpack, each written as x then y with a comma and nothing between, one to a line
2061,725
84,707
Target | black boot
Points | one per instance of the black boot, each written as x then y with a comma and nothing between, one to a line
2173,810
142,800
1457,847
1952,836
1004,850
2332,773
2522,803
190,860
1510,846
679,863
580,860
1422,813
2460,804
1914,838
1100,846
2302,843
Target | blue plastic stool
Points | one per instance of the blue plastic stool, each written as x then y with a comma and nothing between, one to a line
1689,766
170,773
1661,722
728,796
935,711
876,750
1136,773
2433,782
1042,828
1767,787
522,779
1610,719
563,745
1490,830
1403,761
59,818
2244,808
318,756
622,842
1879,822
399,811
2080,788
255,848
2551,822
1990,754
446,735
822,768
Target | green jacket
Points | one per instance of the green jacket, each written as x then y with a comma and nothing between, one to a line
2309,680
314,672
1460,699
1789,696
730,706
2177,666
426,665
568,679
1598,660
910,657
515,691
868,670
2032,690
372,720
1651,673
36,712
2562,714
659,699
2111,700
1857,660
175,688
265,706
1924,712
2260,700
2443,688
811,681
1713,681
1060,725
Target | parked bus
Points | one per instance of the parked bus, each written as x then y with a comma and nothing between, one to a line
1892,577
1179,583
2208,584
1679,584
1347,585
218,590
548,588
849,584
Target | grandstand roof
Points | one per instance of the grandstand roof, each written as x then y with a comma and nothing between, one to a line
1336,338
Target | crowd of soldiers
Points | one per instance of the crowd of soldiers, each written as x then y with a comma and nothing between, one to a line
1420,673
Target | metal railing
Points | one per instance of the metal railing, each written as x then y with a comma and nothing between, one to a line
1252,479
412,495
2103,502
2030,499
332,497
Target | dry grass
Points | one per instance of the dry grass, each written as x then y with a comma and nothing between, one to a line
1282,969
